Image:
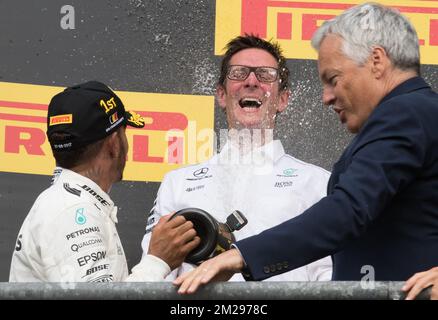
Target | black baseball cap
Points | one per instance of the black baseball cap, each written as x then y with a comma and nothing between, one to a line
86,113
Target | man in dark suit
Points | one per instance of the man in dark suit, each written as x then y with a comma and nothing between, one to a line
380,218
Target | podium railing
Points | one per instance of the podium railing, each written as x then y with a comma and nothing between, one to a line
336,290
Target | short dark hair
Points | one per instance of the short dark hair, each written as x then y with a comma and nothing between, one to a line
251,41
71,158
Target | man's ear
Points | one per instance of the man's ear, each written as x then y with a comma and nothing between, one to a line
284,100
380,62
221,96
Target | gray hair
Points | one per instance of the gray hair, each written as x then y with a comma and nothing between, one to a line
368,25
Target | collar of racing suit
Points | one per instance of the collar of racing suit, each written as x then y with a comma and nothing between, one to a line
87,188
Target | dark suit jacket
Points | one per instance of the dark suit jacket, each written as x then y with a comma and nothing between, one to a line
380,217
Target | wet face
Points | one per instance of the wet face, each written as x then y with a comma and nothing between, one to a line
348,87
251,103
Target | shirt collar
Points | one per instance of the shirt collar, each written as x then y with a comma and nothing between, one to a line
88,188
231,154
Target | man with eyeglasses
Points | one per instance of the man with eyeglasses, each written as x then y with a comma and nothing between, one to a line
252,173
379,220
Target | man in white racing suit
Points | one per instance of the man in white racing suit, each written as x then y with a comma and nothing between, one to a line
70,234
252,173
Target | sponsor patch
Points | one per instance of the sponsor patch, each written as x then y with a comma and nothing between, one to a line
62,145
96,269
80,217
95,194
195,188
81,232
290,172
200,174
61,119
283,184
104,278
76,246
74,191
95,256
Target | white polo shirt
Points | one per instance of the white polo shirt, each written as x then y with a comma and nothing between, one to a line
266,185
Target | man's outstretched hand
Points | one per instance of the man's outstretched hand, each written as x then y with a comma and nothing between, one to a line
219,268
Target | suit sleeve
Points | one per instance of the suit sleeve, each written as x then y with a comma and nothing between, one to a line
386,159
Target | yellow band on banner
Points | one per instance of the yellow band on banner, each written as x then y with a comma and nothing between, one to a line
292,23
178,131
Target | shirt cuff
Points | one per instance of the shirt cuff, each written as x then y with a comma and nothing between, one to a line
245,270
150,268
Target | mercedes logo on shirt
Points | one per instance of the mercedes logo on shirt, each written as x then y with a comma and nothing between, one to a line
200,174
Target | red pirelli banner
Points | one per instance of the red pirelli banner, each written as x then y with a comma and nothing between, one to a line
178,131
292,23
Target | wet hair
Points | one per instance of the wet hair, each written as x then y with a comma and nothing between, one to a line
249,42
368,25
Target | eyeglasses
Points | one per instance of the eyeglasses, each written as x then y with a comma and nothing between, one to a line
263,74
